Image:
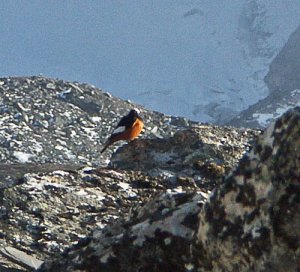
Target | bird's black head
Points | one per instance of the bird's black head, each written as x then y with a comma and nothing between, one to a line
134,113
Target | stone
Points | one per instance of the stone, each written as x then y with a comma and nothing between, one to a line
155,238
204,153
251,222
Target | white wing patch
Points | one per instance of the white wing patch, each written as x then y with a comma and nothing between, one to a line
119,130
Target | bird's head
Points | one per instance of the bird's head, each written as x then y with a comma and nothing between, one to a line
134,112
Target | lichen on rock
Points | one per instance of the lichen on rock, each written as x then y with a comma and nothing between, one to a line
251,223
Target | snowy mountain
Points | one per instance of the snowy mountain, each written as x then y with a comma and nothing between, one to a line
283,81
202,59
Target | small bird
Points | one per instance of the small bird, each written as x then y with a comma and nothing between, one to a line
129,127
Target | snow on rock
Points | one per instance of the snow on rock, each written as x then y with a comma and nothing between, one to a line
283,81
22,157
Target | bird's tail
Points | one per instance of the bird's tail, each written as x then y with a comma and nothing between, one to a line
106,145
109,142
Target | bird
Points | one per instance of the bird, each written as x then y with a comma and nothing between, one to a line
128,128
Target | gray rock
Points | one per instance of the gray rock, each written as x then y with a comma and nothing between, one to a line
251,223
46,213
157,238
203,153
21,257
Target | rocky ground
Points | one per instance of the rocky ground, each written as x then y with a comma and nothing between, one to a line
65,207
250,222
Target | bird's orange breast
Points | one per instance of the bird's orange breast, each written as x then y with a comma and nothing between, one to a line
136,129
132,132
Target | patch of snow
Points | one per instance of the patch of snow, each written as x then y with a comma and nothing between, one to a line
37,147
263,118
61,173
59,147
96,119
162,157
22,157
82,192
69,154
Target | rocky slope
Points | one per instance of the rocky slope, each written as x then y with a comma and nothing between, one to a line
151,208
57,191
54,121
250,222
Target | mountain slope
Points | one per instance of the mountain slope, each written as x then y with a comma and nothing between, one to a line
283,80
54,121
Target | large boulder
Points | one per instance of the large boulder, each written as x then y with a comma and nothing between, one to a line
46,213
201,154
157,238
252,222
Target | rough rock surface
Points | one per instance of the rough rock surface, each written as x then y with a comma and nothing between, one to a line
264,112
250,223
157,238
48,212
201,154
51,200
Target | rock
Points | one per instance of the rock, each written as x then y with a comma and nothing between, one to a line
251,223
46,213
18,256
203,153
157,238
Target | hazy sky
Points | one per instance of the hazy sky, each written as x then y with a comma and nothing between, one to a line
107,43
